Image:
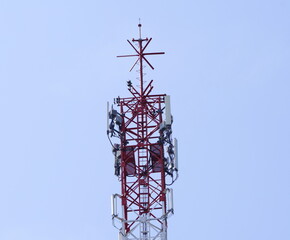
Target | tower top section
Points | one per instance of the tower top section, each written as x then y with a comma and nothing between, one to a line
142,44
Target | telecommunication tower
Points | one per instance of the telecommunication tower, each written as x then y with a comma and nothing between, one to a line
145,153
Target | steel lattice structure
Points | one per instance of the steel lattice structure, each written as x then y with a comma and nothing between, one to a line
145,156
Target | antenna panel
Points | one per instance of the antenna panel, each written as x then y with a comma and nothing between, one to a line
108,128
168,119
175,154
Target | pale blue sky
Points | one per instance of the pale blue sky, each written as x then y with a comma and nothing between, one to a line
227,70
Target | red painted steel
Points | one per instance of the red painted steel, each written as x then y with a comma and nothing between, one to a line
141,162
142,153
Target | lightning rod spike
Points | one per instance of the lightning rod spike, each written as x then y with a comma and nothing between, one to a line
140,25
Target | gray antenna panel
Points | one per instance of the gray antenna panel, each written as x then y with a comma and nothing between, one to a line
168,119
108,115
176,154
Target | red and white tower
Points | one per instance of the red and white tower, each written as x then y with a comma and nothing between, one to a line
139,129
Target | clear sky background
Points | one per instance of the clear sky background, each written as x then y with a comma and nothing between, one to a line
227,70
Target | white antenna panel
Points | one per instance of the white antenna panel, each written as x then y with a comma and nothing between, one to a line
113,205
169,195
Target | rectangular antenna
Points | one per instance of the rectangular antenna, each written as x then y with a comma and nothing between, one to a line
169,195
175,154
168,120
108,116
112,205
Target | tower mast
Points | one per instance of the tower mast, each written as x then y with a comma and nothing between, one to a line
142,127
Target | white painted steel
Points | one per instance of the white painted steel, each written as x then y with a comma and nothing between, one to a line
147,228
